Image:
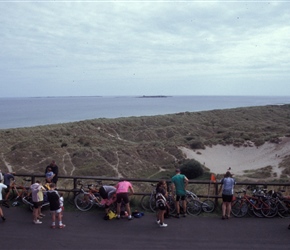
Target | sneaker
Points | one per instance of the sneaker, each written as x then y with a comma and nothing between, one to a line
184,215
42,215
52,226
130,217
118,217
61,226
37,222
3,218
158,222
223,218
177,216
163,225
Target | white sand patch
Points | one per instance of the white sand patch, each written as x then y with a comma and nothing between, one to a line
219,158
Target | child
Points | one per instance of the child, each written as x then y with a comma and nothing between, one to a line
61,201
1,201
54,204
161,194
49,175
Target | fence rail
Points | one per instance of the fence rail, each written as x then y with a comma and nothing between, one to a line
202,188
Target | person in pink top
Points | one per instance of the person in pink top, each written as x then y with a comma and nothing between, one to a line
123,190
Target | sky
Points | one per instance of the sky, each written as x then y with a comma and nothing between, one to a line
111,48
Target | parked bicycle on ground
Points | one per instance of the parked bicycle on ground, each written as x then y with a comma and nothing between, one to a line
27,198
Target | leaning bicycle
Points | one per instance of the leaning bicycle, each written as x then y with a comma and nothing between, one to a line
71,194
86,199
195,205
148,201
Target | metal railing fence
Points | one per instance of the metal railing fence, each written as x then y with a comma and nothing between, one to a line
202,188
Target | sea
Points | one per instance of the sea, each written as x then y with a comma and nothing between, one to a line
36,111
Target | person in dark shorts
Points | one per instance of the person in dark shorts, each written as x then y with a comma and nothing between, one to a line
179,184
37,199
123,190
161,204
55,206
227,187
8,181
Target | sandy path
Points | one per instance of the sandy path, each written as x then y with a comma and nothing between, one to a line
219,158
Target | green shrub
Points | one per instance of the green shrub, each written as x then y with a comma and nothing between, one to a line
259,142
197,145
191,169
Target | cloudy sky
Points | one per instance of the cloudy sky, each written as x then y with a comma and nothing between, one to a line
73,48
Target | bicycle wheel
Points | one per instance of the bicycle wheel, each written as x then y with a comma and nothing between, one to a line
284,208
257,209
269,209
208,206
145,202
239,208
83,202
250,211
193,207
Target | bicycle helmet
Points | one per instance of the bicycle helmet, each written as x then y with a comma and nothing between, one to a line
138,215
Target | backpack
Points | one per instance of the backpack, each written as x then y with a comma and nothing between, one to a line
110,215
160,200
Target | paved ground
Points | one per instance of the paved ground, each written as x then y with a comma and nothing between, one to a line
87,230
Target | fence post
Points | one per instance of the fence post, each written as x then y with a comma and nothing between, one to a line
75,183
216,193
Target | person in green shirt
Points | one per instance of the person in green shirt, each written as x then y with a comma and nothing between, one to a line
179,184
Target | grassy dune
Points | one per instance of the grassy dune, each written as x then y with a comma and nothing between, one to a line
138,147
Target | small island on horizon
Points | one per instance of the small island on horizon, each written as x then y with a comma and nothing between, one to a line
154,96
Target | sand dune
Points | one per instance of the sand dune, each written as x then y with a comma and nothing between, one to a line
219,158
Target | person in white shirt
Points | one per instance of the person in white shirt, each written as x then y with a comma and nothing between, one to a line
2,186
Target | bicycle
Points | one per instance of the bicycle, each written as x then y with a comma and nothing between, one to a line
27,198
71,195
207,205
259,204
282,202
86,199
170,201
17,192
146,200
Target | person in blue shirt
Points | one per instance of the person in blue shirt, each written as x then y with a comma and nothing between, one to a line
54,169
8,178
227,188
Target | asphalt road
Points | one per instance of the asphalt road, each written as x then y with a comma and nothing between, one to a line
87,230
